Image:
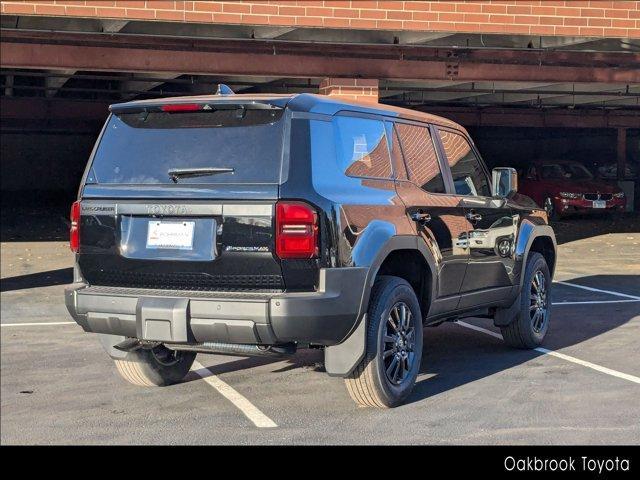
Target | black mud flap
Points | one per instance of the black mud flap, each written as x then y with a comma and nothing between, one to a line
504,316
341,359
163,319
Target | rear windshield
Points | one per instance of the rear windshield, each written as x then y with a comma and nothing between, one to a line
141,148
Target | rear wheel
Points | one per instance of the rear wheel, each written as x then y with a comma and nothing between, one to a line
530,326
388,372
158,366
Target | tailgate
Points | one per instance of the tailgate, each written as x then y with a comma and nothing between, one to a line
215,245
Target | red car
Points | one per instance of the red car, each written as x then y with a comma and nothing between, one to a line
563,187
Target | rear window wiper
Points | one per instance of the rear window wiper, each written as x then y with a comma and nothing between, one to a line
176,173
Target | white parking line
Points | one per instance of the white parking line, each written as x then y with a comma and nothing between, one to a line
591,289
245,406
568,358
595,302
35,324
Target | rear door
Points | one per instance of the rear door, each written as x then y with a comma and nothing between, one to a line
491,223
437,216
210,229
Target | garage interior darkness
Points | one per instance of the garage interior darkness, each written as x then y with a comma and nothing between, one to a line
50,117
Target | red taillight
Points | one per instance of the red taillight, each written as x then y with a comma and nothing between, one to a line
296,230
74,231
181,107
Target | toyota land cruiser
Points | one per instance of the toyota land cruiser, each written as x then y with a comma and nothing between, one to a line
260,224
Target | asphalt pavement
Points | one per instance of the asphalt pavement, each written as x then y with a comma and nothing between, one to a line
59,387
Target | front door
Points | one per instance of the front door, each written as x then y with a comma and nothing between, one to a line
491,224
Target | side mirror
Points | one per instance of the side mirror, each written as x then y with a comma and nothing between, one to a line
504,181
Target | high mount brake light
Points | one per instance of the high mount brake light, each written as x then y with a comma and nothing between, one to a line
296,230
181,107
74,231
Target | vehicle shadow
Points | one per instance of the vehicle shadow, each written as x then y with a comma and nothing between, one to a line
60,276
309,359
241,363
454,356
621,284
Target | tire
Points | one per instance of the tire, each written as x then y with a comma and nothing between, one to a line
155,367
369,384
527,330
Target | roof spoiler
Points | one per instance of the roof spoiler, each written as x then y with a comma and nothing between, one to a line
192,106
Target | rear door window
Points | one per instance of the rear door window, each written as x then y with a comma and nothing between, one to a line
140,148
468,175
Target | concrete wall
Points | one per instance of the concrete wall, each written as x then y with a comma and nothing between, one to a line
565,18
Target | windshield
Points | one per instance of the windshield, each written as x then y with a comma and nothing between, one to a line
237,145
574,171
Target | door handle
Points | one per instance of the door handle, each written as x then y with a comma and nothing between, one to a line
473,216
420,217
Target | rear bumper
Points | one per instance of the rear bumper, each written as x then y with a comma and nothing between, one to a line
324,317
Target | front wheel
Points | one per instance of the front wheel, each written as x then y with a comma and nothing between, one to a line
388,372
530,326
158,366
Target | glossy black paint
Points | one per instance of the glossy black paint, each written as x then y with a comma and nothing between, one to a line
473,244
112,252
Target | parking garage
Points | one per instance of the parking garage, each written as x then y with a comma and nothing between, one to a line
523,98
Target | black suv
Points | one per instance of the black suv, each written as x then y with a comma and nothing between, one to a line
259,224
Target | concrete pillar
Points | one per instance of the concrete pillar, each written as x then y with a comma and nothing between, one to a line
358,89
622,152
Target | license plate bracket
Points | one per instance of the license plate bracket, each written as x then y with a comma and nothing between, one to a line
170,235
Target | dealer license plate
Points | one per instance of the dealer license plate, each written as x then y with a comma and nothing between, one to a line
599,204
171,235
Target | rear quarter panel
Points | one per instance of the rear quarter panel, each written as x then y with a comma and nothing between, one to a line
358,215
